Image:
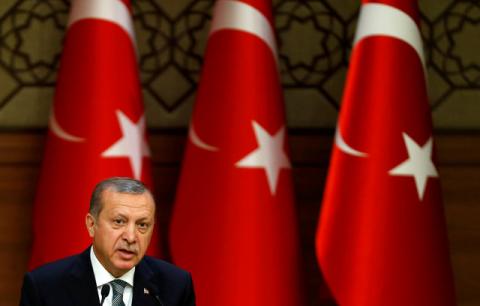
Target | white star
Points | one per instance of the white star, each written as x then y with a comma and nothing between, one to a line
132,145
419,164
269,155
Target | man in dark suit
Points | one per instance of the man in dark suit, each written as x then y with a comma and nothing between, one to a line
114,270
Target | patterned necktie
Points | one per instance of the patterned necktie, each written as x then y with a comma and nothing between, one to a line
118,286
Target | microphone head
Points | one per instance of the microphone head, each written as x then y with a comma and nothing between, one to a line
105,290
155,294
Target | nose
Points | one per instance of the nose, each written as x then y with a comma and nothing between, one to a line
129,233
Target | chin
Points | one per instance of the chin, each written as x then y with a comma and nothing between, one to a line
125,265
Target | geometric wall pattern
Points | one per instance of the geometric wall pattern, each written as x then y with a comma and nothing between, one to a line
314,40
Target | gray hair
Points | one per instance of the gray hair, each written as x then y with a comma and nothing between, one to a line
117,184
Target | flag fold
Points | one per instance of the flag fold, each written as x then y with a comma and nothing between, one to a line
381,236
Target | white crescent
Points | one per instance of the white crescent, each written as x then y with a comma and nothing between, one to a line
114,11
198,142
384,20
240,16
60,132
344,147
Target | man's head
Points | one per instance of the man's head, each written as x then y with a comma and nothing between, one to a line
120,221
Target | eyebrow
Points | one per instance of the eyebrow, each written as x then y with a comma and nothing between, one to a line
121,215
144,219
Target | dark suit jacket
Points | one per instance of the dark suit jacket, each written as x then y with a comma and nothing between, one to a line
71,281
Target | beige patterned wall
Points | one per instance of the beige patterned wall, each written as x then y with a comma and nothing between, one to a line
314,43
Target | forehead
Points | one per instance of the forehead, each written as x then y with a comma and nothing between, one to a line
127,203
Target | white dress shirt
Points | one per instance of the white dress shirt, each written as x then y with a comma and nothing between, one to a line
102,277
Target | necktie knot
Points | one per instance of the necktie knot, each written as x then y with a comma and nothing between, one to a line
118,287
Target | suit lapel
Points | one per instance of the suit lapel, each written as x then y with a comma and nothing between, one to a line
80,282
142,283
81,286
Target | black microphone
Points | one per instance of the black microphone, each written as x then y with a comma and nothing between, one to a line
154,293
105,291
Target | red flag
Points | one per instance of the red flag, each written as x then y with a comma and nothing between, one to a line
233,223
382,238
97,126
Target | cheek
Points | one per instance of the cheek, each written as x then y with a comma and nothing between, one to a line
111,240
144,240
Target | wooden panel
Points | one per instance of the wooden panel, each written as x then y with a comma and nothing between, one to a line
458,154
17,182
461,187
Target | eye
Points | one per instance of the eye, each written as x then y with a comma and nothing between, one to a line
118,221
143,225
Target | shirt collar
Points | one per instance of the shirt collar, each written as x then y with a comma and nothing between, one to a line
102,276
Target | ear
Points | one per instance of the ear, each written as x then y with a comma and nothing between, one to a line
90,223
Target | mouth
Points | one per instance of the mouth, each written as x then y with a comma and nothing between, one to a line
126,254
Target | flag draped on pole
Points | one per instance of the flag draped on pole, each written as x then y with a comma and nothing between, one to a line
233,223
382,238
96,128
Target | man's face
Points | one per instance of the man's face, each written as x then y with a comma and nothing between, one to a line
122,231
